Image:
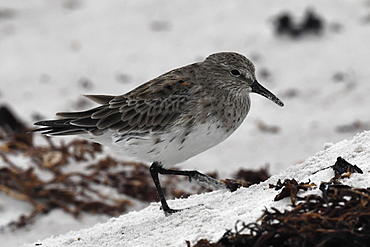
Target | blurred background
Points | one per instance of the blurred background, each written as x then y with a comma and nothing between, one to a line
314,56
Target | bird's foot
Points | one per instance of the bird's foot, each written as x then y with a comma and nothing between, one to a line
169,211
207,181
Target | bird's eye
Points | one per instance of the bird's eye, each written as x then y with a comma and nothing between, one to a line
235,72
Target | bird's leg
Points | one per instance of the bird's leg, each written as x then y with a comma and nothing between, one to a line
206,181
155,168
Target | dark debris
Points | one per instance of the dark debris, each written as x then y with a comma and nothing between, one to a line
355,126
311,24
290,187
271,129
245,178
234,184
342,166
253,177
342,219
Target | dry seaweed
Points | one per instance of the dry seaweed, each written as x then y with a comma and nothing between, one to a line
100,186
74,192
234,184
342,166
245,178
290,187
252,177
342,219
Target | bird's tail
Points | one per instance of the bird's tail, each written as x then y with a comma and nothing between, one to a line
75,123
61,127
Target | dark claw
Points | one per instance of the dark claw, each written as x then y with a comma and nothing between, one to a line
170,211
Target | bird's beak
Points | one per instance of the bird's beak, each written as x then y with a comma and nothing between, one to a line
258,88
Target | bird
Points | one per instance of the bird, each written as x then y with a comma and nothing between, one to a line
170,118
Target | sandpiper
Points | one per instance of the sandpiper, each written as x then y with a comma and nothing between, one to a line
171,118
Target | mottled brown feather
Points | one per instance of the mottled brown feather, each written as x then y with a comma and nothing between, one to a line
150,107
80,114
109,120
84,122
100,99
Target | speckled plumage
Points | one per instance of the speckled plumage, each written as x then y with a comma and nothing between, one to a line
172,117
203,99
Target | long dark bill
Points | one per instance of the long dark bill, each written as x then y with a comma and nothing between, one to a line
258,88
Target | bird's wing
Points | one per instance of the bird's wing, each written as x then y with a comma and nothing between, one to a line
150,107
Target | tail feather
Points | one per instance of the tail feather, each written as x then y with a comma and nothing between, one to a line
61,132
100,99
84,122
61,127
74,123
79,114
55,123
